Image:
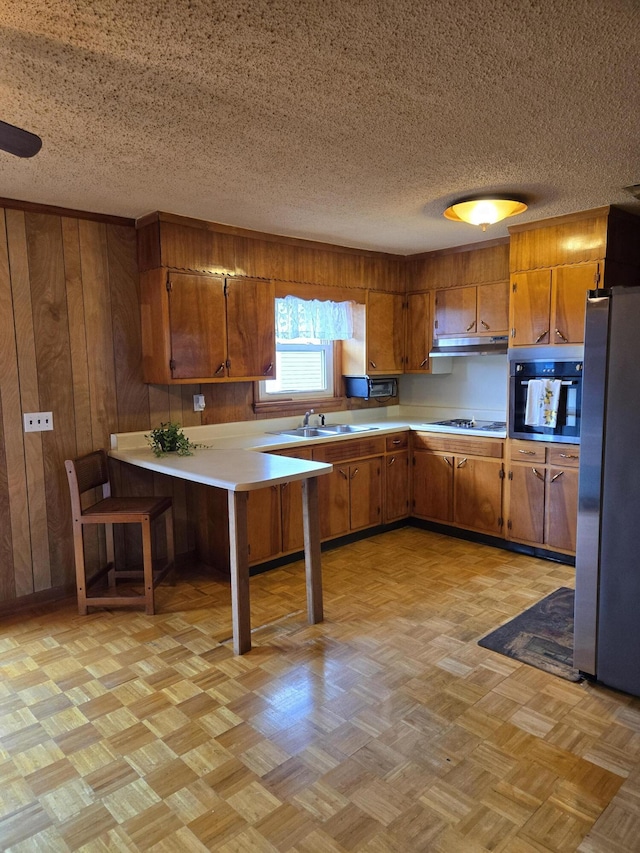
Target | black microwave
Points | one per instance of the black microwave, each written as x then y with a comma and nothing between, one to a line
370,386
545,380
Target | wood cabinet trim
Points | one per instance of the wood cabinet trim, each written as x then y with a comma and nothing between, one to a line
472,446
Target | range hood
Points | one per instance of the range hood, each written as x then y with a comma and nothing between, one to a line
492,345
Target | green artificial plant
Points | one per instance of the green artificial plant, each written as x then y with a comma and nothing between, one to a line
167,438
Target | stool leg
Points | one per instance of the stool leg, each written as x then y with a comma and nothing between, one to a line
111,554
81,577
147,559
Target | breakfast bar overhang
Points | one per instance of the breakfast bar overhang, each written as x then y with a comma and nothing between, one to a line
240,472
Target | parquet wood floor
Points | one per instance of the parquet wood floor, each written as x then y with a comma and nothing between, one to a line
384,729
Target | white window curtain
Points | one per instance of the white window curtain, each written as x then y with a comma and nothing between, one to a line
313,319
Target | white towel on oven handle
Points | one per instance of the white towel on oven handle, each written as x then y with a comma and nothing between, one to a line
533,406
551,402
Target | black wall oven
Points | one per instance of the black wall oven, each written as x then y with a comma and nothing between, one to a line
563,364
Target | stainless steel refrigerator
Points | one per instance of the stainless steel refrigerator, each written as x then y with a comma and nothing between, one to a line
607,609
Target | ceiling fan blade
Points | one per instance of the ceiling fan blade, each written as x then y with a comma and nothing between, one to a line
17,141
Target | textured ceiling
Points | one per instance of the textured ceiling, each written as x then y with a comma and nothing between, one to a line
349,122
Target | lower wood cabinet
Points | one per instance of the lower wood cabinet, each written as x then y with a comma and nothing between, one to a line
351,495
458,480
274,517
454,480
350,498
542,494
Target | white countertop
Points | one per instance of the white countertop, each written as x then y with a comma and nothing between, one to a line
226,458
234,470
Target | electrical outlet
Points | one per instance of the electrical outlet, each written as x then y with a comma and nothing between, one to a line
198,403
38,421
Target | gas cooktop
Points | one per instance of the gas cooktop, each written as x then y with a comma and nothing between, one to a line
463,424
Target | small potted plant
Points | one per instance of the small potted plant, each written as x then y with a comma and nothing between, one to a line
169,438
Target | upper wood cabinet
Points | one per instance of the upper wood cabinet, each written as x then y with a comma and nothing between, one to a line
481,309
199,328
377,346
418,341
548,306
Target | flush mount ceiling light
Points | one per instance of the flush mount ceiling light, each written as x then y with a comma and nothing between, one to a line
484,211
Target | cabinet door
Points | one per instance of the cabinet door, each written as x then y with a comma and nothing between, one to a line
455,311
292,530
333,497
197,326
365,493
291,505
418,333
562,508
385,332
433,486
396,486
493,308
531,308
263,524
477,494
570,288
250,328
526,504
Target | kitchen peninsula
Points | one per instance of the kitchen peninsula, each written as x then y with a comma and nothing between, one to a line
238,472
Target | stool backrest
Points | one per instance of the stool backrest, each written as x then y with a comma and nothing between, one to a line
87,472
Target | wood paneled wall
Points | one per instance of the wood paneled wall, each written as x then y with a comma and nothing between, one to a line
186,244
473,264
69,344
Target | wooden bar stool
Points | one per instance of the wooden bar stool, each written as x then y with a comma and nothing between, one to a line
91,471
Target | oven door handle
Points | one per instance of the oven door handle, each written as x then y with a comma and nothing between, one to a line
562,382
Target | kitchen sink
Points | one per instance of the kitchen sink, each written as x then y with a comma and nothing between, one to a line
340,428
323,431
304,432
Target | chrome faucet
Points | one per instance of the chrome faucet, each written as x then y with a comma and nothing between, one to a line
305,421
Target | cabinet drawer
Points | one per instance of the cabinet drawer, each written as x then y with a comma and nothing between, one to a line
399,441
567,456
341,450
298,453
527,451
453,444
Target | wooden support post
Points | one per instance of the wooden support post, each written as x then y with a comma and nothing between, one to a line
313,568
239,554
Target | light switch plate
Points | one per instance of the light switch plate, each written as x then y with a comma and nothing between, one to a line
198,403
38,421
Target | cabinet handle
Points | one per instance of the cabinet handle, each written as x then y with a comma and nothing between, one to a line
424,361
555,476
486,325
538,474
220,369
561,336
354,473
541,336
462,463
527,452
569,456
470,326
448,461
269,369
343,473
373,364
392,461
397,441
